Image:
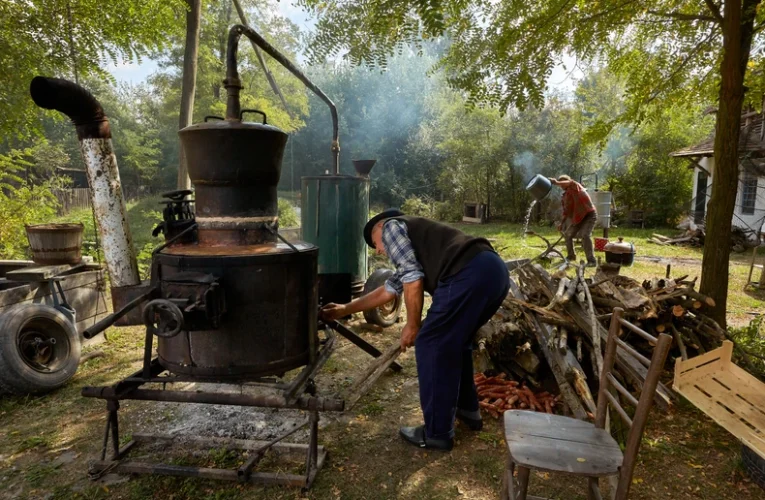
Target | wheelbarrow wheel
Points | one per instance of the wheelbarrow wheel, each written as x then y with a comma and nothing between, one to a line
39,349
754,465
386,314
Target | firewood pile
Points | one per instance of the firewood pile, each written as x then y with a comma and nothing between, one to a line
740,239
544,333
689,238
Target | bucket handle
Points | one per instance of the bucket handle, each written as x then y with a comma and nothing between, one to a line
242,112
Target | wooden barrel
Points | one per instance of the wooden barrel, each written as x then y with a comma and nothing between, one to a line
55,243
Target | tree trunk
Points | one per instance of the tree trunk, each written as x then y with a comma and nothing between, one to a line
738,22
188,88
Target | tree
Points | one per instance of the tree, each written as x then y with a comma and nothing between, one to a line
188,87
502,53
64,37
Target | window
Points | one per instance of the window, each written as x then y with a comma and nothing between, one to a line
748,195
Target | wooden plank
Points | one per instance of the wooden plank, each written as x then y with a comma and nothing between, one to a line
720,353
7,266
555,455
560,429
40,273
725,419
729,397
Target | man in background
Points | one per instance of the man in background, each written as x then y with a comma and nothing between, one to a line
578,217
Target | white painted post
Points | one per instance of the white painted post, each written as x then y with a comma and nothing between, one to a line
111,214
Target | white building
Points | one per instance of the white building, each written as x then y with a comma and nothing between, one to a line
749,213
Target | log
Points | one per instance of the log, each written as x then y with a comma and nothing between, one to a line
631,366
604,302
562,323
579,381
594,332
373,372
559,362
679,342
563,340
509,301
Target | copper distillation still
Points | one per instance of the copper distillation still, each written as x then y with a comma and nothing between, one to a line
229,300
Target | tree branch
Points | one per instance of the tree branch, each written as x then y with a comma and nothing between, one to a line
715,10
683,17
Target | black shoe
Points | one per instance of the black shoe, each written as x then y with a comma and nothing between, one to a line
592,263
416,436
467,418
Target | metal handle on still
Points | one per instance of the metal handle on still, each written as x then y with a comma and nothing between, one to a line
163,318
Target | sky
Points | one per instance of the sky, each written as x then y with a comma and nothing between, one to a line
562,78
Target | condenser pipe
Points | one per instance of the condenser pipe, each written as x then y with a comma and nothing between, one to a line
94,135
233,84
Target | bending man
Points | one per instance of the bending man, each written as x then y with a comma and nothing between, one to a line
468,282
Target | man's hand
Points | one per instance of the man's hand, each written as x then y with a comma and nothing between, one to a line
333,311
553,181
408,335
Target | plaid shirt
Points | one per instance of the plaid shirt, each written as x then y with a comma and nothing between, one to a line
399,248
576,203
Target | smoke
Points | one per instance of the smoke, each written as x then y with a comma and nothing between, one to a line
528,164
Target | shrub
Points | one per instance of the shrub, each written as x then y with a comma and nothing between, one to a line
287,214
750,345
447,211
20,203
418,207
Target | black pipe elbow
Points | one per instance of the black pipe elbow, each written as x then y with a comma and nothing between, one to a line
74,101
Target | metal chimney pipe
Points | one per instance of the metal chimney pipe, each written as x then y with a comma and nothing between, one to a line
94,134
233,84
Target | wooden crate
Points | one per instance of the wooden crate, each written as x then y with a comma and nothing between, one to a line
729,395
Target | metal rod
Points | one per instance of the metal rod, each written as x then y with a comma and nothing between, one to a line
233,83
310,370
262,62
358,341
174,239
245,470
108,321
263,401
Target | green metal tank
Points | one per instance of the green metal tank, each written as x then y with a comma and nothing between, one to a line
334,210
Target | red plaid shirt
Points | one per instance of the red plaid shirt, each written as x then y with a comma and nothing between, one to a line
576,203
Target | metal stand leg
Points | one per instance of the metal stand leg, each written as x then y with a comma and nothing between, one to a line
112,424
312,456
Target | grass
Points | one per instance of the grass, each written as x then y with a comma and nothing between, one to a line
651,259
684,454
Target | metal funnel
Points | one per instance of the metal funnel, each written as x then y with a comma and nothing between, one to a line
363,167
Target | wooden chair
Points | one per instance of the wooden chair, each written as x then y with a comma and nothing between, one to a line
555,443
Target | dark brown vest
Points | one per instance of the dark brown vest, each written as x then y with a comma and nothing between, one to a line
441,250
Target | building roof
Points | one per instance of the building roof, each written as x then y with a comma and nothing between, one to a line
750,141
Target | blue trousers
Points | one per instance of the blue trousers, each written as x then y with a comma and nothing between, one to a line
443,348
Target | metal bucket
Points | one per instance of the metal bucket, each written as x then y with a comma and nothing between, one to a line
539,187
55,243
602,202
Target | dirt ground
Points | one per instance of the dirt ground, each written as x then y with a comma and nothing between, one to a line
46,443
